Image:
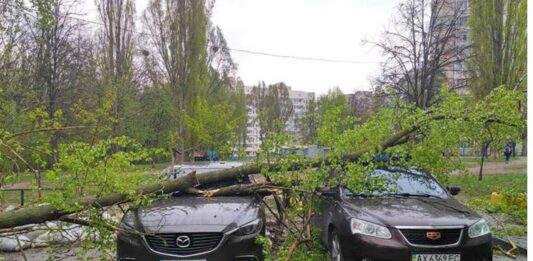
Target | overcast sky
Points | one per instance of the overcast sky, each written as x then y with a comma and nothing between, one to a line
307,28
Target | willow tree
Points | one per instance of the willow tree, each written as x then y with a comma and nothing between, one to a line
498,30
178,33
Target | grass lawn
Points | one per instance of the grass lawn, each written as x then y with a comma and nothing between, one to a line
27,181
474,161
477,195
471,187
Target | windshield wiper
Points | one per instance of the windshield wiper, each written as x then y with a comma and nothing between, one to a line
425,195
362,195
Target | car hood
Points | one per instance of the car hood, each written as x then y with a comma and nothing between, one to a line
415,211
195,214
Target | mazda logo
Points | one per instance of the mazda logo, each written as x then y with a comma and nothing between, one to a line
183,241
433,235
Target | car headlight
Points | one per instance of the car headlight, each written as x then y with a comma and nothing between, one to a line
250,228
127,222
478,229
366,228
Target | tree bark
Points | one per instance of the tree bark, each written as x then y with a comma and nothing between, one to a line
43,213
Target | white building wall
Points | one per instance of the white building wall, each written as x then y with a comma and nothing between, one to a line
462,41
253,142
299,99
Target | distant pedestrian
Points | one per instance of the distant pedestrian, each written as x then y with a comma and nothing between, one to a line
507,151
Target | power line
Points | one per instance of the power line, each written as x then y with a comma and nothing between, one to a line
316,59
299,57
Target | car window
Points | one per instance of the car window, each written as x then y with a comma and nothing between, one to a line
399,182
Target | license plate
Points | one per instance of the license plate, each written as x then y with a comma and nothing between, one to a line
436,257
182,260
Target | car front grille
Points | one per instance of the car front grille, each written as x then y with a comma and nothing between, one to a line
199,243
419,236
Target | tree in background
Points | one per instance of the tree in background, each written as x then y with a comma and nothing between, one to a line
240,112
499,49
55,73
499,45
55,41
15,83
225,94
214,126
335,116
274,107
177,30
116,63
419,49
309,122
334,98
317,112
156,121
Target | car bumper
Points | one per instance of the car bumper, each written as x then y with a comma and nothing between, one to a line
358,247
238,248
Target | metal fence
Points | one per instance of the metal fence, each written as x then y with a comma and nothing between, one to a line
21,195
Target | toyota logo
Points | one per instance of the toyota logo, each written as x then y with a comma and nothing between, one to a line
433,235
183,241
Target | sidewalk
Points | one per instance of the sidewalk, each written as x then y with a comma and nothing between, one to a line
517,165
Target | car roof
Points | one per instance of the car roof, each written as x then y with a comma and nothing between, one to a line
202,167
406,171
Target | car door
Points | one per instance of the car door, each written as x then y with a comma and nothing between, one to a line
328,205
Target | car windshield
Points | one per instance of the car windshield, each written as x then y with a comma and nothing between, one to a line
403,183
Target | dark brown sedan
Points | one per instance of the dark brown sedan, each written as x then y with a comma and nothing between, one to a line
414,219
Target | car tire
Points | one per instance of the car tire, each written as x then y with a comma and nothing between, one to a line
335,251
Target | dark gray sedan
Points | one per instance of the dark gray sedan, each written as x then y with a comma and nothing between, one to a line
193,228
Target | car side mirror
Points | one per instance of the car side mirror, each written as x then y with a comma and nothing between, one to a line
454,190
327,192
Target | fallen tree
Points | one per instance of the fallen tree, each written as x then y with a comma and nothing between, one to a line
43,213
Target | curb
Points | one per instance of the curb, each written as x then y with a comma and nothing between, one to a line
496,241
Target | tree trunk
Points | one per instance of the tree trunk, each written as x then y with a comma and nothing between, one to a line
43,213
480,177
484,152
523,153
54,145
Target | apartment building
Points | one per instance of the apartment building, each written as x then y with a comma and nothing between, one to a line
299,99
456,75
253,141
360,102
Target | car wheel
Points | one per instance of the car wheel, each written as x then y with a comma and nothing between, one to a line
335,252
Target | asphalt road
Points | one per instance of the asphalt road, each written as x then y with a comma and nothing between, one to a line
69,254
